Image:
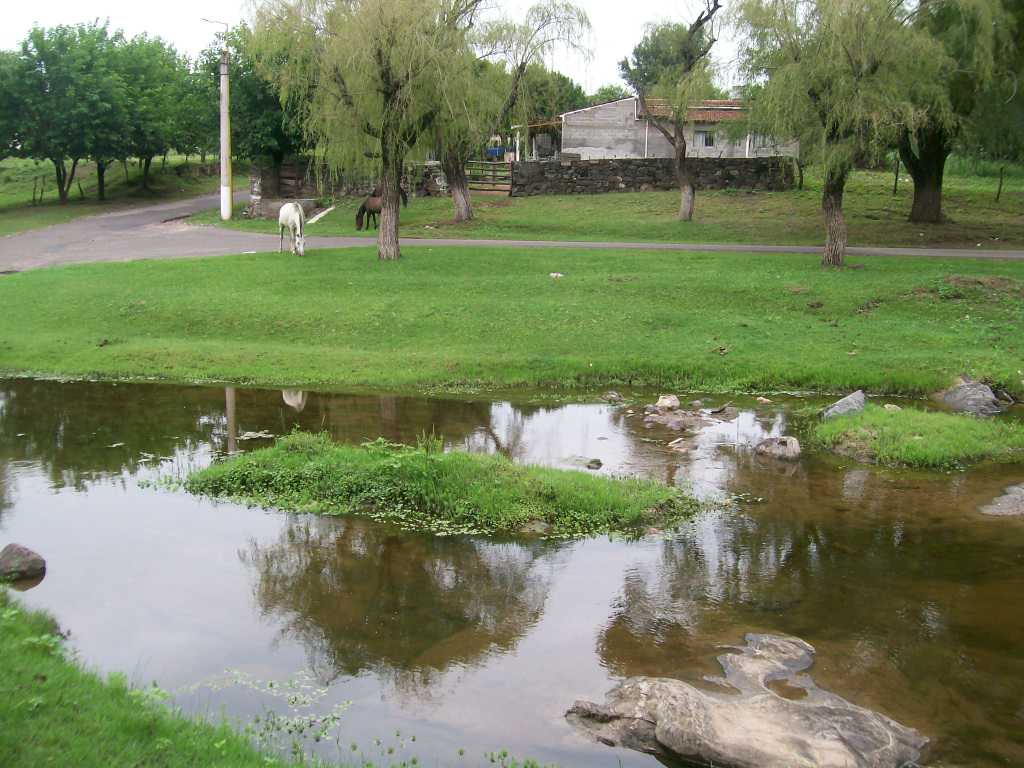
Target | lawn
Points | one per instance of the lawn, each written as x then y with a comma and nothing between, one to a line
426,488
450,318
875,216
17,176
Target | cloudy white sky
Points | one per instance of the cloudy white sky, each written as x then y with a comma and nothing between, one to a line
616,26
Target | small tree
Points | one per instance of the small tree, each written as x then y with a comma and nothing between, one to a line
151,70
367,78
672,61
606,93
491,93
848,67
65,97
9,76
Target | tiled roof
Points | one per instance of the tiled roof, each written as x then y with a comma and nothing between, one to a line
707,111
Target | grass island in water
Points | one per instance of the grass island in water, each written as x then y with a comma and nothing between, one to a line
426,488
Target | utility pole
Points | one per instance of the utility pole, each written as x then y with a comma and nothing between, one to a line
225,129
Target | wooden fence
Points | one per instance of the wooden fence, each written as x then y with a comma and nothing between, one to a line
488,176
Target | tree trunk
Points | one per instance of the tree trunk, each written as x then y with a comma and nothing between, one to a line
926,168
60,172
458,184
387,236
799,175
999,191
145,172
835,224
686,190
124,167
101,175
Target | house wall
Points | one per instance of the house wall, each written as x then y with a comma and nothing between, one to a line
565,177
613,131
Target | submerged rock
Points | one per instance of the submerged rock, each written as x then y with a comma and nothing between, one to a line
787,448
850,404
972,397
892,407
595,464
18,562
751,726
1011,503
676,420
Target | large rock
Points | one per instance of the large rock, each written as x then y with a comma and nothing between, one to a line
1011,503
751,726
850,404
18,562
972,397
786,448
667,403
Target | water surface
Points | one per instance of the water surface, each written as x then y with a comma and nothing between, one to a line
912,598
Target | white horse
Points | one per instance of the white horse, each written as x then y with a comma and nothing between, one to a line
293,218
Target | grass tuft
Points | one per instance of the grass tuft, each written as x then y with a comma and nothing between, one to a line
425,488
926,439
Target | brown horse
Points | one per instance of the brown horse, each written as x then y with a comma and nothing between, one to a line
372,206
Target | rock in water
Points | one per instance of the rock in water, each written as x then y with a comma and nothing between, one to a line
18,562
1011,503
667,403
751,726
849,404
972,397
787,448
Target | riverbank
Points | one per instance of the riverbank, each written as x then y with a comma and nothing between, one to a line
55,712
426,488
448,319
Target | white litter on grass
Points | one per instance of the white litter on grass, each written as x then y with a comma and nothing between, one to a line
247,252
320,215
261,435
115,445
556,275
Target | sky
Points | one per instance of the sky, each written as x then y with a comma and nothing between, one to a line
616,27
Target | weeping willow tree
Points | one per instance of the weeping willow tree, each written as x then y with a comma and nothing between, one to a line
502,50
975,35
849,67
672,63
367,78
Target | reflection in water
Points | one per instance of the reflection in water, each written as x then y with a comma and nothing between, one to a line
911,597
362,597
294,399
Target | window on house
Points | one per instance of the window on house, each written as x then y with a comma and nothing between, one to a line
705,139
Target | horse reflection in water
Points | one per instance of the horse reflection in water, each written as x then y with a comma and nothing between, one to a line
294,399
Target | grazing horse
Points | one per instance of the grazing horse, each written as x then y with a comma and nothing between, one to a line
293,218
372,206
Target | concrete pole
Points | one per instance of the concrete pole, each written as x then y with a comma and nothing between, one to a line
225,139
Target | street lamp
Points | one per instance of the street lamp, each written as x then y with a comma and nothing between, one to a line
225,129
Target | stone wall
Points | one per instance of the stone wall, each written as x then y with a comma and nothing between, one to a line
569,177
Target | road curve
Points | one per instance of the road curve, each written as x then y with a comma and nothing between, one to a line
161,232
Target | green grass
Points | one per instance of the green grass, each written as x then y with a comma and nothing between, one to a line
53,712
426,488
492,317
17,213
875,216
917,438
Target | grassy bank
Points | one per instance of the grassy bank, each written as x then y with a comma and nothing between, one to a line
461,317
424,488
19,178
916,438
55,713
875,216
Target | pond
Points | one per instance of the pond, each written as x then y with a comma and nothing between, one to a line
912,598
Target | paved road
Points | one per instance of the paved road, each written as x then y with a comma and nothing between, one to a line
160,232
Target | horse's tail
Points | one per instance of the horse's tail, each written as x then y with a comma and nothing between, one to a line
405,197
359,217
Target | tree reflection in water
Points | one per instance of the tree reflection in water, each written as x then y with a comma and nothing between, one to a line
361,597
854,562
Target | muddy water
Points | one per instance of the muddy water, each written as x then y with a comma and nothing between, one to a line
911,597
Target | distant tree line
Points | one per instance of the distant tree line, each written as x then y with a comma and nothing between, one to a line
78,93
